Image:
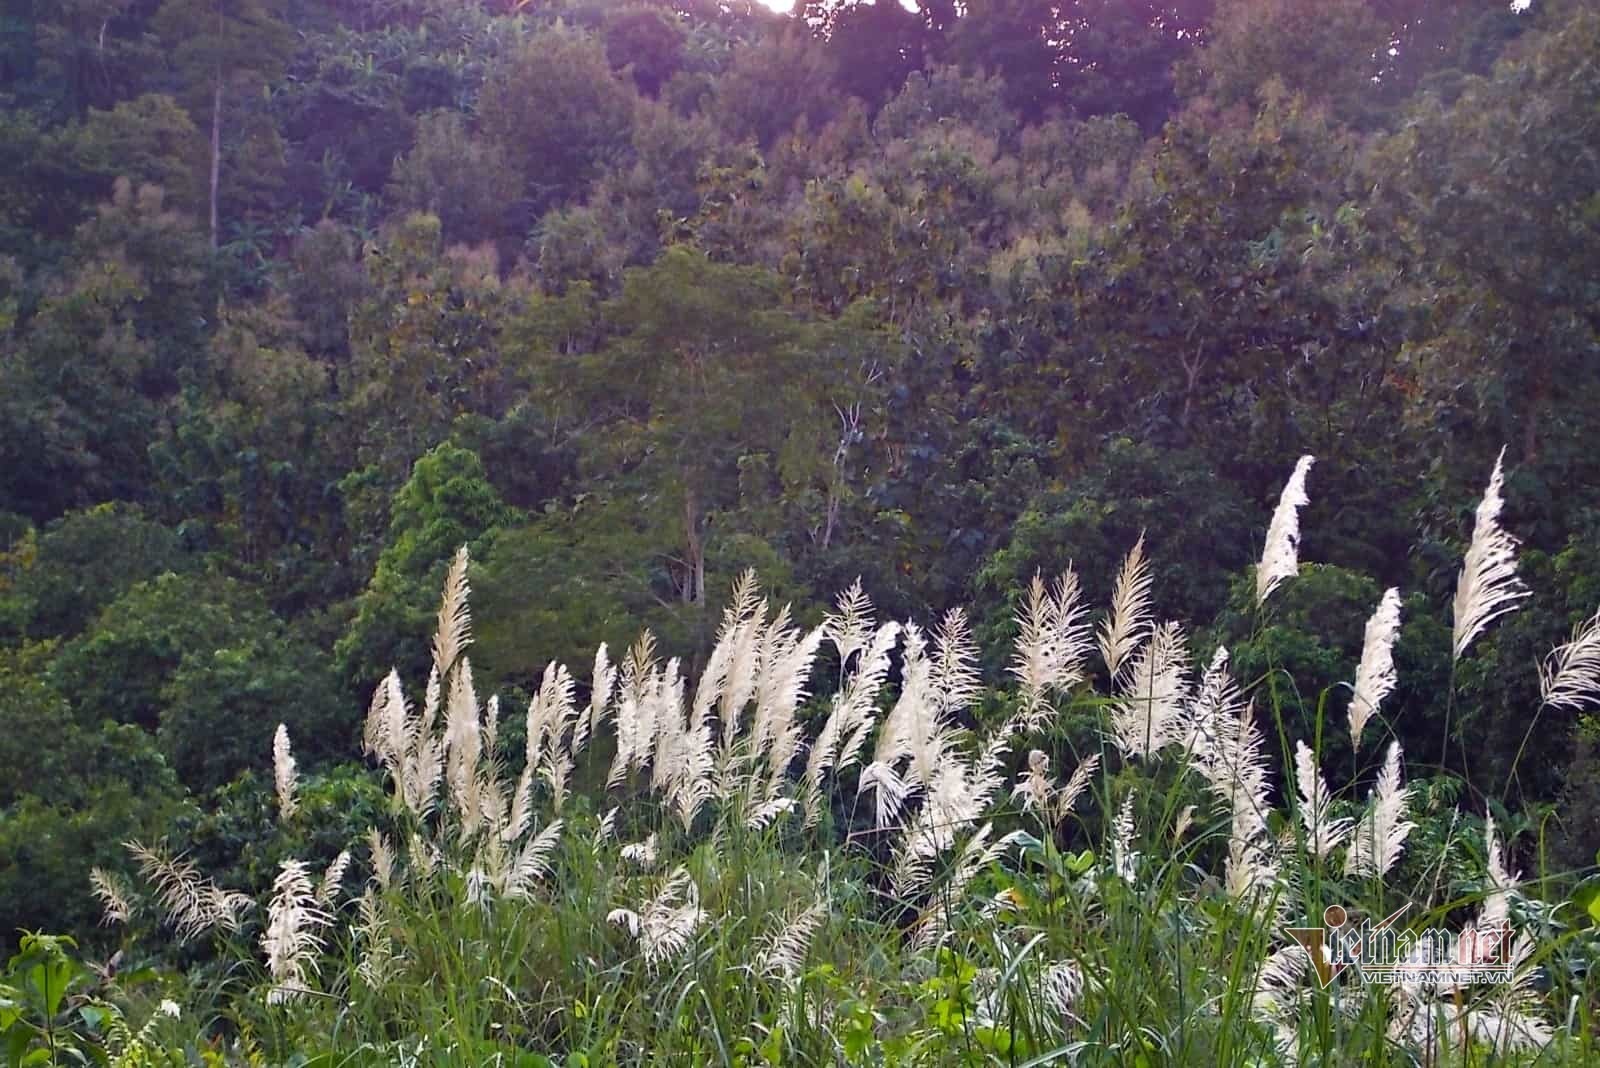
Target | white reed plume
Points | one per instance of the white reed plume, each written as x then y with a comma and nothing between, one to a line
114,895
290,940
978,854
1129,619
665,923
332,883
642,854
453,631
606,830
550,712
844,732
491,723
1510,1018
1375,676
602,682
1570,676
1502,883
781,952
194,904
1148,713
377,964
1324,833
1052,641
463,746
382,857
953,671
1280,555
1488,587
850,624
283,773
1077,784
1123,858
1034,787
1381,832
532,864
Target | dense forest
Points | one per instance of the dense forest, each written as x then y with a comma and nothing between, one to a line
299,297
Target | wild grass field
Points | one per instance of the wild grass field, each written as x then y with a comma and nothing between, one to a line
837,847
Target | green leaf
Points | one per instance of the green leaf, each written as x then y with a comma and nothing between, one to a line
1587,898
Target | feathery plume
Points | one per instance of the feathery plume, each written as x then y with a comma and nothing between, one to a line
1061,982
463,745
954,666
1277,982
1510,1020
283,773
1052,641
1380,834
491,723
453,631
1502,883
1033,786
193,903
1181,825
1123,858
1129,618
333,879
1488,586
1323,832
1375,676
533,863
602,682
1148,713
290,939
114,895
1280,556
667,922
372,932
607,828
642,853
781,952
849,624
1570,676
1068,795
382,857
844,732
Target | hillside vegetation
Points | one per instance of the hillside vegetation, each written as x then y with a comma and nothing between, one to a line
998,327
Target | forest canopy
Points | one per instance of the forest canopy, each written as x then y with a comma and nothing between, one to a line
629,297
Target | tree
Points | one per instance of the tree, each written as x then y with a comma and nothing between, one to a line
647,43
772,85
1326,50
149,140
423,344
708,368
467,183
445,504
59,581
1495,193
82,393
557,112
218,45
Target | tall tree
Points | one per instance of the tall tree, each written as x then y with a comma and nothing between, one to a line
218,44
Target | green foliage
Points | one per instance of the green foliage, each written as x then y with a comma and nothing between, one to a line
447,502
71,789
557,113
631,297
59,580
454,175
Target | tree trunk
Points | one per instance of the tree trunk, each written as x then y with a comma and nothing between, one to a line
216,152
694,581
